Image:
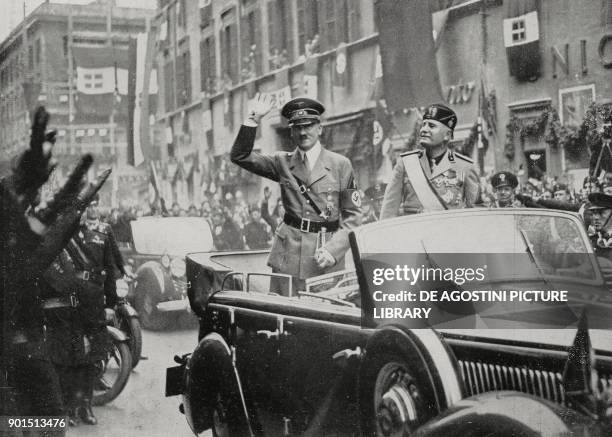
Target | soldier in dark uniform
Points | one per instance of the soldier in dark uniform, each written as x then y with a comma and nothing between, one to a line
77,288
504,183
29,242
433,177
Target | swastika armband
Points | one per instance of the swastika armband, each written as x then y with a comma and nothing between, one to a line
350,198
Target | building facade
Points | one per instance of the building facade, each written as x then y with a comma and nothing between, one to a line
213,55
39,64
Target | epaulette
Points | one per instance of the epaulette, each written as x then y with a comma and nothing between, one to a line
412,152
465,158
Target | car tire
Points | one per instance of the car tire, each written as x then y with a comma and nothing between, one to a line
228,416
392,400
121,352
148,295
131,325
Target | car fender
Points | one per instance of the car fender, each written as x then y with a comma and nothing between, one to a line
434,355
508,413
116,334
126,311
209,370
153,271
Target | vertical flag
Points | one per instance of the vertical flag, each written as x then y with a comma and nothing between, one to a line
341,67
311,79
522,38
411,77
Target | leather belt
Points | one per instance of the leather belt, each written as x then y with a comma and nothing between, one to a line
87,275
307,225
61,302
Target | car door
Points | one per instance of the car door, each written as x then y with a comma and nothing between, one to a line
318,337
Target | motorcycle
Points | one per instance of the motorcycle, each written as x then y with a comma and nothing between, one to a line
124,329
127,319
114,369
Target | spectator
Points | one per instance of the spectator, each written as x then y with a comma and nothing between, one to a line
256,231
265,209
226,233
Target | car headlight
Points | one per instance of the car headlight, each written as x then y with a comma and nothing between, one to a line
177,267
165,261
122,287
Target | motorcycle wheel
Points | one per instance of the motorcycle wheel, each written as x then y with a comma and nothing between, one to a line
114,373
132,327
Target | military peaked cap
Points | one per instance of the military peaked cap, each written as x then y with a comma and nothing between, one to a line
600,201
504,178
302,110
441,113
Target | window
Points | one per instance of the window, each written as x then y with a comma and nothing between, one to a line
205,12
168,87
606,15
208,66
308,24
280,37
338,22
229,47
37,51
183,78
518,31
251,42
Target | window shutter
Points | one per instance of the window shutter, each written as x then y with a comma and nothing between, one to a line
233,53
301,25
341,22
180,79
168,87
288,22
203,66
212,68
272,27
354,20
323,35
258,42
187,75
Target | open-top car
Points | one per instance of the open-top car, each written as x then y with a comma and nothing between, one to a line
331,359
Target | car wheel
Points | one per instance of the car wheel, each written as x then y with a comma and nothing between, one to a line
394,402
131,326
114,372
148,296
228,417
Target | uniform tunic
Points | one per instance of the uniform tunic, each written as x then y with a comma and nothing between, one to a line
78,334
327,185
454,178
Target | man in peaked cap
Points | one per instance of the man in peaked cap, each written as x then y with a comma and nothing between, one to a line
432,177
600,209
317,188
504,183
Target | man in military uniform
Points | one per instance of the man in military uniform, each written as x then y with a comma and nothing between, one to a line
504,183
317,189
77,287
600,208
29,242
432,177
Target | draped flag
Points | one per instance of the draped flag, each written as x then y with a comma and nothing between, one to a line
410,71
522,38
101,80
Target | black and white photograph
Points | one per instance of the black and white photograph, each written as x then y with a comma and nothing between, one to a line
279,218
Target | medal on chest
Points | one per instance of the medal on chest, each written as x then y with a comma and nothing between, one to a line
329,205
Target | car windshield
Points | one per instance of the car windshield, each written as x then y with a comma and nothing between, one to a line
555,244
172,235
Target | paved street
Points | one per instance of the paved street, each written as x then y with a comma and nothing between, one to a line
141,409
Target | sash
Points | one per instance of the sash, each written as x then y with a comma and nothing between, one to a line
425,192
